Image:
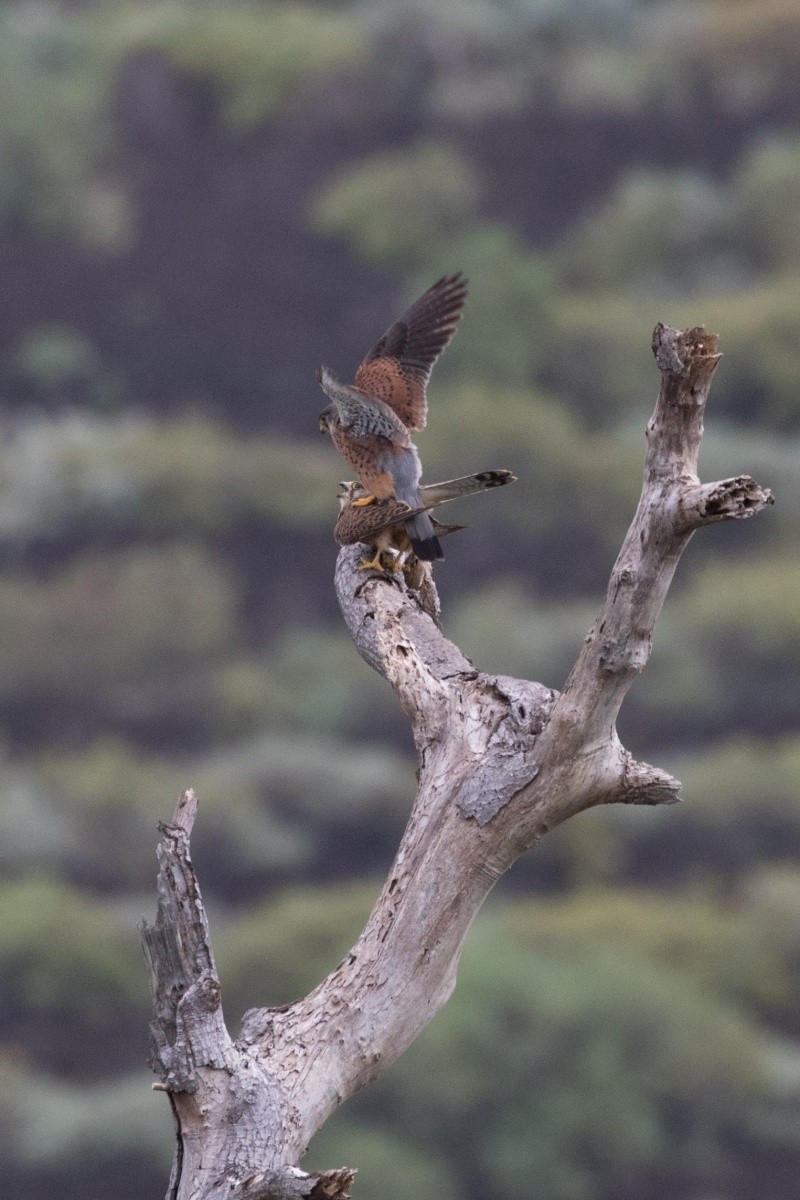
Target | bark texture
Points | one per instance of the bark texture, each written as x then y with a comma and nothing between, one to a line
501,761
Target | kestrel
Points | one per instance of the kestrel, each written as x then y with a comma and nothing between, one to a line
370,420
383,524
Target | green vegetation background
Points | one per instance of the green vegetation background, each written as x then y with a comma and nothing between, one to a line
198,204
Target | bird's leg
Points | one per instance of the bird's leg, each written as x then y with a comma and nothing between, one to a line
401,545
363,501
384,558
383,561
373,564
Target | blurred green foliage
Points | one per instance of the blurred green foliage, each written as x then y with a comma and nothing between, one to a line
59,953
67,965
54,1124
768,193
64,474
600,352
613,1003
720,948
60,68
400,205
320,924
53,358
111,619
568,1057
661,229
743,810
262,803
627,1015
53,134
255,55
512,289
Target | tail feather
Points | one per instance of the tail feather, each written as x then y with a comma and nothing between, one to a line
490,479
451,489
441,530
423,539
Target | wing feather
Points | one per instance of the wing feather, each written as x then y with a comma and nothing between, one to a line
361,524
399,365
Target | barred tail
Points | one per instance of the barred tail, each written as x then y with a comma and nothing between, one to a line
451,489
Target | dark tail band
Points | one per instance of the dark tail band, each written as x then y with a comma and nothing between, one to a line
424,541
491,479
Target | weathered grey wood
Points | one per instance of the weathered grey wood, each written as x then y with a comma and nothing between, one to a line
501,761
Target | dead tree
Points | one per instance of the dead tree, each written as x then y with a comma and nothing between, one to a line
501,761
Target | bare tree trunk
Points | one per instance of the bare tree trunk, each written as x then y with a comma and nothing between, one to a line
501,761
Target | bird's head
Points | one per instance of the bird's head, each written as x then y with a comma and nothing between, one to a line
325,418
348,490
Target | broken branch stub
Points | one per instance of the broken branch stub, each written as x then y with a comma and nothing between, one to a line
501,761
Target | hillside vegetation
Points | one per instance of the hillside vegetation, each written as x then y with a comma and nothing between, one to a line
198,205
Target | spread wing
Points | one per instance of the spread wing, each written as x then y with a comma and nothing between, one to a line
362,524
398,367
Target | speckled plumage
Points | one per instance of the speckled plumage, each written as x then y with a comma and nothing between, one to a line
364,524
360,414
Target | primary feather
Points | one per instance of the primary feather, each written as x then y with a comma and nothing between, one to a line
398,367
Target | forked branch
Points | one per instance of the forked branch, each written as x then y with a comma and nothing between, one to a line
501,761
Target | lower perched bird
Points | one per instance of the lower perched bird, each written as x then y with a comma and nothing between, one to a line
383,524
370,419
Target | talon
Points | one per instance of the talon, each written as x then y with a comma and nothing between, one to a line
373,564
362,502
384,561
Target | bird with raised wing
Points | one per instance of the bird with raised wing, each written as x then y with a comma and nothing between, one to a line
369,421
